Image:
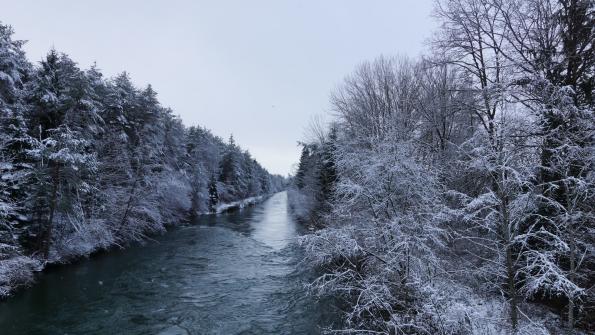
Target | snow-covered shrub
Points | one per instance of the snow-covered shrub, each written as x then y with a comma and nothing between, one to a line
16,269
300,203
77,236
174,198
132,212
226,192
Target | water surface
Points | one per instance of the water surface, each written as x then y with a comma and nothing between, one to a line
236,273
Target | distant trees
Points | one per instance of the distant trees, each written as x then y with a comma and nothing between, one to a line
213,194
230,175
473,166
87,163
240,176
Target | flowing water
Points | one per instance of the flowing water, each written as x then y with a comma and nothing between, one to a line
235,273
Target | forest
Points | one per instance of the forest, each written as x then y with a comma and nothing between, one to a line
454,193
88,163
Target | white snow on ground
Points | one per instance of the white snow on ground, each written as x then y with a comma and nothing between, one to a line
221,208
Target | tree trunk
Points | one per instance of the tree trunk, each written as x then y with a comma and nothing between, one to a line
510,267
572,256
512,293
50,223
128,206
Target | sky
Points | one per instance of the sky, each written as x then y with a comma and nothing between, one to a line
260,70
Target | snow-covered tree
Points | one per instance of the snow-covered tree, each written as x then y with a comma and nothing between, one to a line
88,162
15,71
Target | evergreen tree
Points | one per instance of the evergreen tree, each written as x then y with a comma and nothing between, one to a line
213,194
229,172
15,71
302,167
328,171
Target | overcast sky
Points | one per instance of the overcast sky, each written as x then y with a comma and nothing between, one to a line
258,69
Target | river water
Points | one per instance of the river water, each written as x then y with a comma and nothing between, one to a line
236,273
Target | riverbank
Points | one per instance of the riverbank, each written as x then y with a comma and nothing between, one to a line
240,204
20,271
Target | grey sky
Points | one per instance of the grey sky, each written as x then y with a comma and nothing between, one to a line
257,69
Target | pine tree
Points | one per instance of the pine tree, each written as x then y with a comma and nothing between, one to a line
302,167
213,195
328,171
229,172
62,120
15,72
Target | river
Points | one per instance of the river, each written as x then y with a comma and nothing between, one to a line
235,273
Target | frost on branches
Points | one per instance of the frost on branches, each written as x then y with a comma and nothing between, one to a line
463,189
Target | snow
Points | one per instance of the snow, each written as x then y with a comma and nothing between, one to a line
240,204
15,272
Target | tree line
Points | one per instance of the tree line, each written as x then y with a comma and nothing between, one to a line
455,193
88,162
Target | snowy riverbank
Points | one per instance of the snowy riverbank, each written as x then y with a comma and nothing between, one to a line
226,207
